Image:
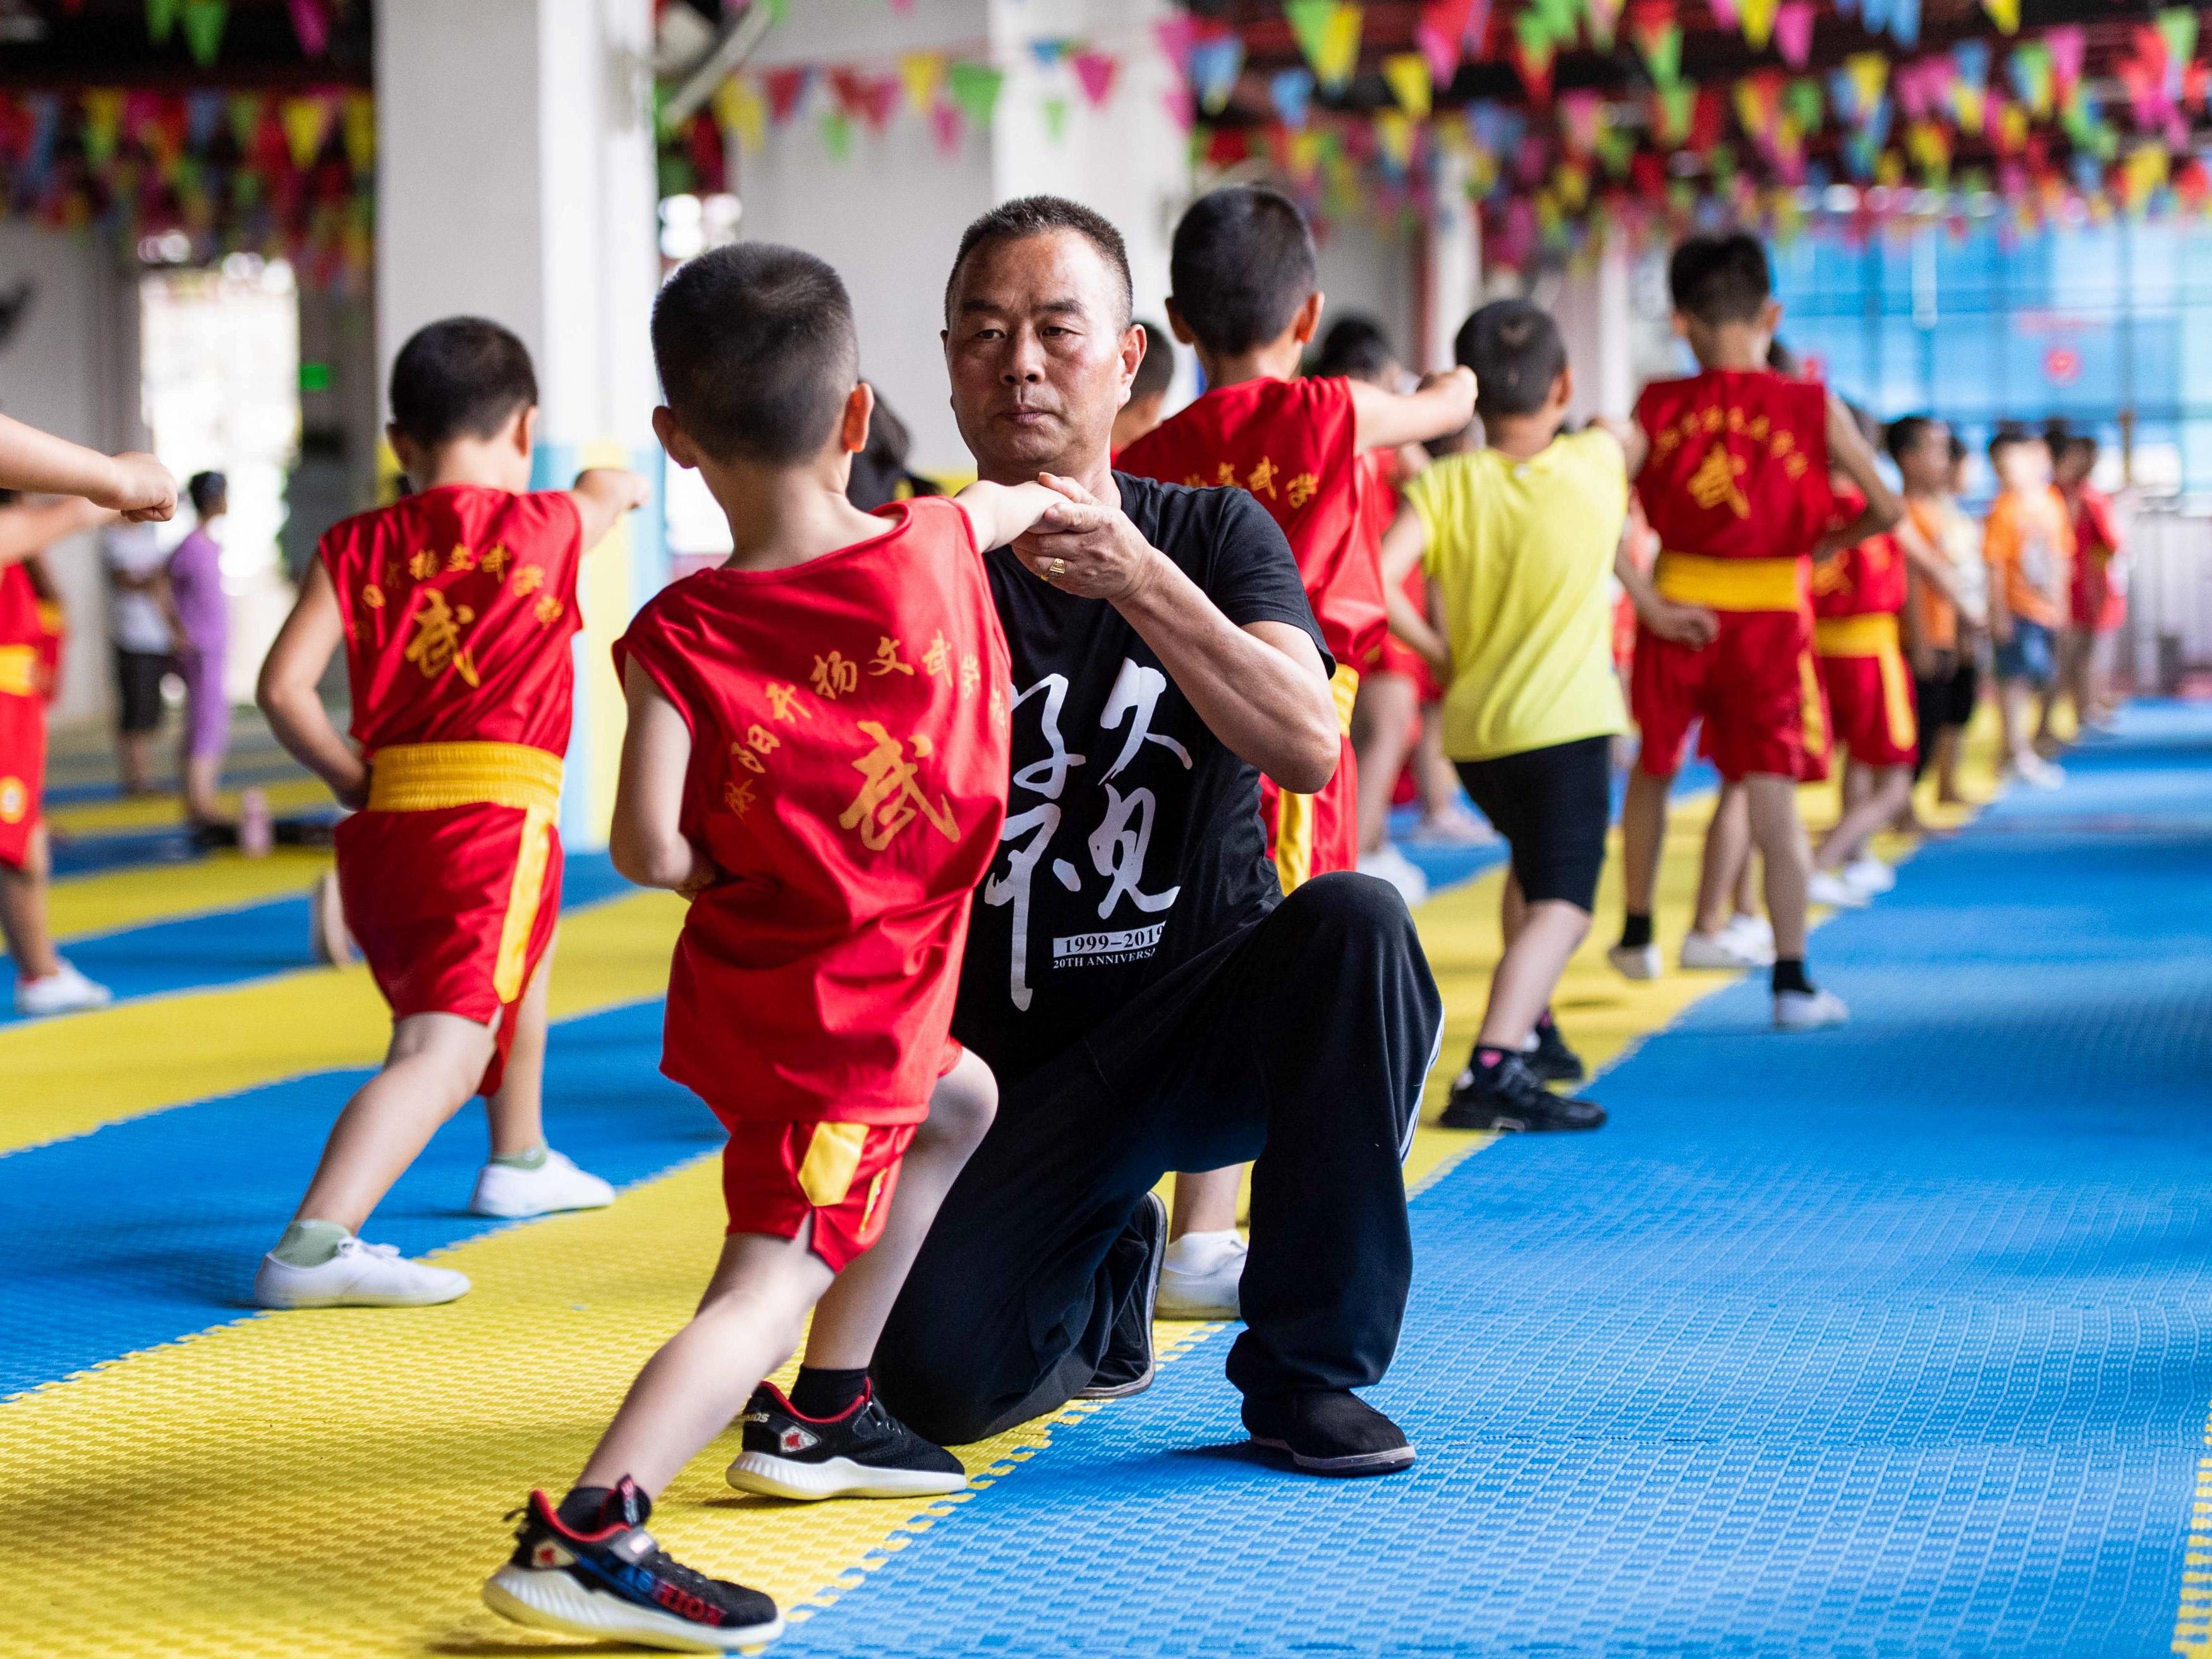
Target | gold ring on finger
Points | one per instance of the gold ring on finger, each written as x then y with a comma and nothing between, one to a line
1058,567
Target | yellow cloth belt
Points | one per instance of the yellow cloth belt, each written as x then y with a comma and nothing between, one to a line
1874,636
19,668
427,777
1731,584
1344,686
1294,828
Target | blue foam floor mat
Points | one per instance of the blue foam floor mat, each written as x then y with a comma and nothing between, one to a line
1895,1340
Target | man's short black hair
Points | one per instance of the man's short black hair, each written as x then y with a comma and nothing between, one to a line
460,377
1242,263
1720,279
1905,433
2010,435
1039,215
206,489
1357,348
1157,371
755,350
1516,351
1958,447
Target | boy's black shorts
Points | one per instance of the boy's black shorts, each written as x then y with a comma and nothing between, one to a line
1552,806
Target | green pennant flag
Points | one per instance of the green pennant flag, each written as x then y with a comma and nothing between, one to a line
1723,162
838,134
1615,148
1309,21
161,20
1561,19
1055,119
1806,105
1663,54
245,108
205,20
2178,25
975,89
1677,104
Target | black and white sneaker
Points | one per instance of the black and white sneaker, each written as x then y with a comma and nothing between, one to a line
1128,1365
1507,1096
865,1453
615,1584
1328,1431
1548,1058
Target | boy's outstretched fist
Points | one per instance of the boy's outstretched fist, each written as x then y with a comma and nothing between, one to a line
143,490
1084,547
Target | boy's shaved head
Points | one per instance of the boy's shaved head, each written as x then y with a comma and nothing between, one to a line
1242,264
756,351
1517,354
1357,348
1720,279
1157,371
460,377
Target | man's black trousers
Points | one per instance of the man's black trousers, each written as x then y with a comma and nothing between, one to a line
1301,1042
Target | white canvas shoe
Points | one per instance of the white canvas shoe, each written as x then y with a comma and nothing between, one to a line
1637,961
1724,951
1386,863
1200,1277
64,990
508,1193
1809,1011
1755,931
1870,875
1828,888
359,1276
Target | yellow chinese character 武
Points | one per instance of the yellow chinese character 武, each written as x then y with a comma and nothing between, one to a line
738,795
971,672
1226,475
1303,489
746,758
547,610
886,660
1262,482
437,645
783,704
372,596
1195,480
891,798
422,565
528,579
461,558
835,675
1714,483
938,659
496,561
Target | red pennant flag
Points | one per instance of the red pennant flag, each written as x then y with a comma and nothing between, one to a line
1095,72
786,87
1441,32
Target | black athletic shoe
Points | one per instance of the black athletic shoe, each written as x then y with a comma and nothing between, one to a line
1508,1096
864,1452
1551,1061
617,1584
1128,1365
1332,1431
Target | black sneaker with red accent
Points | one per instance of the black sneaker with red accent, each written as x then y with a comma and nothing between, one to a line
612,1582
862,1452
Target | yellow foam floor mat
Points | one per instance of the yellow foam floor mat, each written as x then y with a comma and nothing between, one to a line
67,1077
161,811
223,881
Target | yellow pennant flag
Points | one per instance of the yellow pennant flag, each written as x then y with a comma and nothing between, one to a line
742,113
1870,73
1407,74
1339,46
1757,18
923,73
1394,132
2005,14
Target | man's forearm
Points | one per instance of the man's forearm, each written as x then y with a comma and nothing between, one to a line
1266,707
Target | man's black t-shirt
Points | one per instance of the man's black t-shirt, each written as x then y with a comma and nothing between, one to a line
1133,838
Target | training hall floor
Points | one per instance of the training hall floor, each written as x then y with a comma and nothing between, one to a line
1893,1340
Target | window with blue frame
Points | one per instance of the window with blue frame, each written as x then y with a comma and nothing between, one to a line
2108,327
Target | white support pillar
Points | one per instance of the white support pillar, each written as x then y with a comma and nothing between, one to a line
1594,314
515,162
1451,285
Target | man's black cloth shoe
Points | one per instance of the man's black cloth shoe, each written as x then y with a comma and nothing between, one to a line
613,1583
1551,1061
1331,1431
1507,1096
1128,1366
862,1452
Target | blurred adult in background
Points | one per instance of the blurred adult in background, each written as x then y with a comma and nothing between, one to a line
2099,599
145,647
879,471
202,620
1148,392
1945,628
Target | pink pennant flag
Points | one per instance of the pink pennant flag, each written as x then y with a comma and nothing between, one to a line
1793,32
1440,33
1726,12
1095,72
902,8
1179,107
945,122
311,23
1178,36
2066,43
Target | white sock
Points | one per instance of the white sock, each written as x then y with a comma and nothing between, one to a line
1195,1250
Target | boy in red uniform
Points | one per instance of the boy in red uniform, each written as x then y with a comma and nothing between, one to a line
817,755
1732,465
455,605
2099,596
1247,299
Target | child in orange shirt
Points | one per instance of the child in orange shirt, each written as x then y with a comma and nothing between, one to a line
455,606
2027,543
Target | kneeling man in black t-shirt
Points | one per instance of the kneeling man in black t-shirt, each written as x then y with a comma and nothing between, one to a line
1147,997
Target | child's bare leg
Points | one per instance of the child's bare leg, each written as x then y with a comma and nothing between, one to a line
1546,934
517,1109
747,1324
433,1066
1946,767
1886,791
1643,835
23,912
2012,714
1206,1201
1382,727
1779,835
1435,783
1746,881
1726,858
851,1314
